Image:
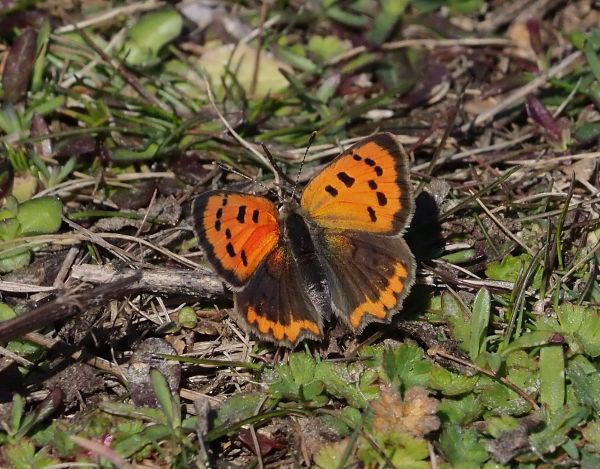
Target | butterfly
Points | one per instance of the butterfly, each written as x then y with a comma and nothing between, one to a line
337,251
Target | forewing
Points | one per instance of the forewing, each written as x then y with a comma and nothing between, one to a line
369,275
274,304
237,231
366,188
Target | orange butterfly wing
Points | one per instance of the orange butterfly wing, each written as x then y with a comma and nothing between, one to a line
240,236
237,231
359,205
369,275
275,304
366,188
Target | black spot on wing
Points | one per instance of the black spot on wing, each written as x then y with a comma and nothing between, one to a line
346,179
372,214
228,233
244,258
381,199
230,250
369,162
224,201
356,157
218,225
255,215
219,212
378,170
372,185
331,191
241,216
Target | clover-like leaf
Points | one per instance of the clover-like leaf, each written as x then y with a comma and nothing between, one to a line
450,384
462,448
407,365
340,383
461,411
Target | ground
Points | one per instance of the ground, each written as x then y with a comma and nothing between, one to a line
120,346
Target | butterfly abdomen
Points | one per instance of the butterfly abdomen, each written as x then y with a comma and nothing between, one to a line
300,243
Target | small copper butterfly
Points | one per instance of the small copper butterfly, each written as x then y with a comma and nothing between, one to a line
339,250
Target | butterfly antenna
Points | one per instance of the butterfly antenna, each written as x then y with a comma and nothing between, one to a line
281,174
228,168
310,142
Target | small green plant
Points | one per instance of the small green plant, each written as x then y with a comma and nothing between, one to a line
33,217
16,449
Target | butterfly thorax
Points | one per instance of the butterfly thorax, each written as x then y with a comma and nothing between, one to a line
297,235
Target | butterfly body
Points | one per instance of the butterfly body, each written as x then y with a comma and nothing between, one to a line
339,251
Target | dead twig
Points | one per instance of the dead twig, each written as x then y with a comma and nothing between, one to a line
64,307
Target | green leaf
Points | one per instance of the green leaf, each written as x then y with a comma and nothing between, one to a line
458,318
339,383
407,366
303,367
22,455
238,407
343,423
168,403
402,449
6,312
297,61
153,31
450,384
187,317
531,339
328,88
228,65
426,6
149,436
461,411
589,131
465,7
311,391
333,455
10,228
586,384
552,377
342,15
326,47
148,414
40,216
43,38
462,448
581,327
296,380
479,322
592,59
460,257
41,412
16,413
498,425
499,399
510,267
558,425
382,27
